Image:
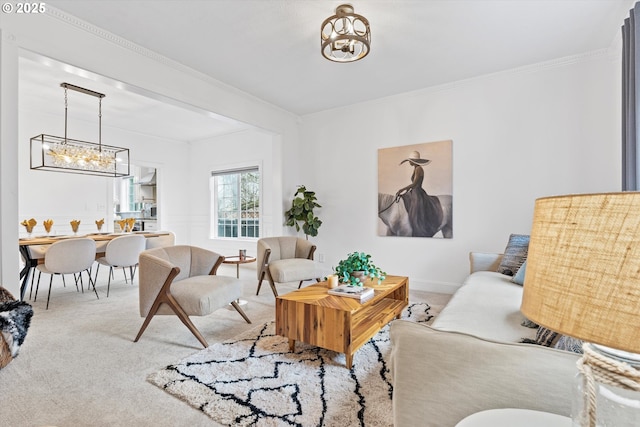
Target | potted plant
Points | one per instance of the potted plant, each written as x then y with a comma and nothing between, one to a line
302,205
356,268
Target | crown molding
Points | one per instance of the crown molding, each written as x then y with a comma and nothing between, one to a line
610,53
140,50
606,53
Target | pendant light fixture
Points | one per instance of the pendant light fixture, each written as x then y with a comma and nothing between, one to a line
57,154
345,36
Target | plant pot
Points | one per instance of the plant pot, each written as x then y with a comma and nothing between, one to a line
359,275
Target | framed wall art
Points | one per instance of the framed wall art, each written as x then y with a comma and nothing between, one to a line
415,190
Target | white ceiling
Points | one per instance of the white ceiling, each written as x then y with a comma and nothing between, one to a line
123,107
271,49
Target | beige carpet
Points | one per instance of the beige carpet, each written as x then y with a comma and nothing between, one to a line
79,365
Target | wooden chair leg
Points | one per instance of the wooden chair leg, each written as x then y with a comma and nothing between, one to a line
272,284
260,282
165,297
239,310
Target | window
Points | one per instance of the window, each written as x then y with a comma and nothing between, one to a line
236,203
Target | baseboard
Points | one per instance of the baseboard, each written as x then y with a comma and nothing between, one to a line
431,286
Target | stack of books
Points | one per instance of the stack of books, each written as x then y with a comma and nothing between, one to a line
357,292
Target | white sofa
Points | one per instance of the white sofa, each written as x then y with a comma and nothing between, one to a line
471,358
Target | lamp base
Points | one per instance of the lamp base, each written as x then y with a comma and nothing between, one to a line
607,389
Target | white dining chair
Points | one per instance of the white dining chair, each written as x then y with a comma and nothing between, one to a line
35,253
165,240
72,256
122,252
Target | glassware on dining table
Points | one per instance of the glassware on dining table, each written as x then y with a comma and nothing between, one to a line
99,224
48,223
75,224
29,224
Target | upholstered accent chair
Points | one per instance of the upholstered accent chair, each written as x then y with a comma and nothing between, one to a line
182,280
286,259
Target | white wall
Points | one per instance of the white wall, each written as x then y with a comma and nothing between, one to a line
68,40
63,197
548,129
240,149
516,136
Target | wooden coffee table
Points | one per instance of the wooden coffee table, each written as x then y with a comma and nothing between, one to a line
338,323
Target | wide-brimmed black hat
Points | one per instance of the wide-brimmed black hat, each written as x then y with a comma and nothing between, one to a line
414,159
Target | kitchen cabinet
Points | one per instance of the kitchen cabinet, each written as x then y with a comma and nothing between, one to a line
135,196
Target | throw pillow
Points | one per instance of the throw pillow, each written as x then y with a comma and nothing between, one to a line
569,344
518,279
544,336
529,323
514,254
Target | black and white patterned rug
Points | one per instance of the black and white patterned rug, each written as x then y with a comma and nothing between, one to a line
253,380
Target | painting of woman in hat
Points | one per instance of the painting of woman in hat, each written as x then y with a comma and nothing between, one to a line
411,211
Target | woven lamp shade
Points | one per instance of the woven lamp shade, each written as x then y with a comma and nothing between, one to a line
583,268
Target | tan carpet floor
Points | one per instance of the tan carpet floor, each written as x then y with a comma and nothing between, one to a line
79,365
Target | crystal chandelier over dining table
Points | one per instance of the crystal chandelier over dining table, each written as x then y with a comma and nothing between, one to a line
62,154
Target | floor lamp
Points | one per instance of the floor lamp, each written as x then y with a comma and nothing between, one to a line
583,280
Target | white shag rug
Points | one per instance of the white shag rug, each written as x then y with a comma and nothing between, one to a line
253,380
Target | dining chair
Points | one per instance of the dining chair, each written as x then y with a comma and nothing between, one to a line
168,239
122,252
34,255
72,256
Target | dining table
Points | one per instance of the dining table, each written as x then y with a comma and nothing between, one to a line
30,263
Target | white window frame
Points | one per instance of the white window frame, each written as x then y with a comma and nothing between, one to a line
227,169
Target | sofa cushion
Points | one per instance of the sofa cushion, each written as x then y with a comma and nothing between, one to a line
487,305
514,254
569,344
439,377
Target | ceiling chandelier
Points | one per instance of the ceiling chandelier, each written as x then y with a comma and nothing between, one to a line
345,36
54,153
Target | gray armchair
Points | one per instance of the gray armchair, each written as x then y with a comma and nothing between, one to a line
286,259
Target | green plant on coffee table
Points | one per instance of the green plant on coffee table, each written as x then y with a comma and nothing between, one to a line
358,261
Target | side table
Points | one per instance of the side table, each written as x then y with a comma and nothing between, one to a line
514,417
237,261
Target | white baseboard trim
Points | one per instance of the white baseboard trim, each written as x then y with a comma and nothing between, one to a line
430,286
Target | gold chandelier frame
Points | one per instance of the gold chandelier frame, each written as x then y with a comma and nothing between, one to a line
63,154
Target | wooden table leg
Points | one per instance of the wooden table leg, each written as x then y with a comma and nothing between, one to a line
349,358
292,345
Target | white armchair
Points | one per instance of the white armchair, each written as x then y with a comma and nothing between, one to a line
182,280
286,259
